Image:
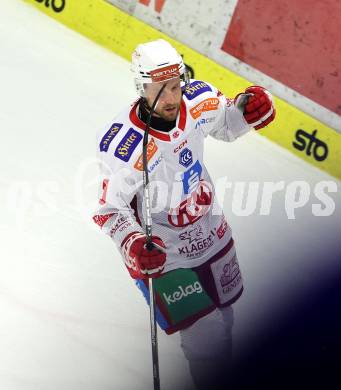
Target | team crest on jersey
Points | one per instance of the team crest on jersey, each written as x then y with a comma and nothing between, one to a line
195,89
194,207
151,150
109,136
176,134
210,104
128,144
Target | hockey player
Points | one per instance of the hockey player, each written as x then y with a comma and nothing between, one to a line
193,261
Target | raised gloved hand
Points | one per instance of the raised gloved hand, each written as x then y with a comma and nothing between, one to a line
141,262
257,106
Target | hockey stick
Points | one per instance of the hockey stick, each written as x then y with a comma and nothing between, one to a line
149,246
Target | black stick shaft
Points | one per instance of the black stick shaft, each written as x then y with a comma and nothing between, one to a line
153,328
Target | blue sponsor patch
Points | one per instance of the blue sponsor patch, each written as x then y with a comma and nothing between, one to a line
195,89
191,178
128,144
186,158
109,136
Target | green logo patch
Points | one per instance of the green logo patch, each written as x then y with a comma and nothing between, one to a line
182,294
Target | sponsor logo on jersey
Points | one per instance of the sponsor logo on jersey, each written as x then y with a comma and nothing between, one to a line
165,73
183,292
197,244
231,275
222,229
191,178
151,150
195,89
186,158
209,104
196,249
120,225
109,136
128,144
194,207
311,144
151,166
154,164
183,143
204,121
101,220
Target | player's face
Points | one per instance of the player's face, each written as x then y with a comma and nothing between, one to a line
169,102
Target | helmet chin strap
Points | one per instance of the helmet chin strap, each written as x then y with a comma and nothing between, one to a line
148,108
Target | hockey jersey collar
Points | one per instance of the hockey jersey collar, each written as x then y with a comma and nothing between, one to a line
181,123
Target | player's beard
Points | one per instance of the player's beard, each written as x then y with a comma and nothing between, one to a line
169,112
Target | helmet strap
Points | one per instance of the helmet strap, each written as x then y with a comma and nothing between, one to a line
143,102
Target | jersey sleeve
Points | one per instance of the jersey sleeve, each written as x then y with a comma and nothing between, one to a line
219,117
229,124
116,213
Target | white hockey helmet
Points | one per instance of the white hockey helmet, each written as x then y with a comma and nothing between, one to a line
156,61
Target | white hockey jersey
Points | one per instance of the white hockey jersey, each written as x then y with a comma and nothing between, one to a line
184,213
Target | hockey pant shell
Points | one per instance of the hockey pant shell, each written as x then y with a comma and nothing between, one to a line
183,296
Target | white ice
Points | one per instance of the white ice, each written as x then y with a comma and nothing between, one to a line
70,316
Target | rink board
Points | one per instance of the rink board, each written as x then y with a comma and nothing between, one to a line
112,28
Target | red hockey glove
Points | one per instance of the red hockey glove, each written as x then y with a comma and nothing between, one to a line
141,262
257,106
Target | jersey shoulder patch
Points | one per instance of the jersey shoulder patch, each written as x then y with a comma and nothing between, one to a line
120,139
109,136
128,144
195,88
